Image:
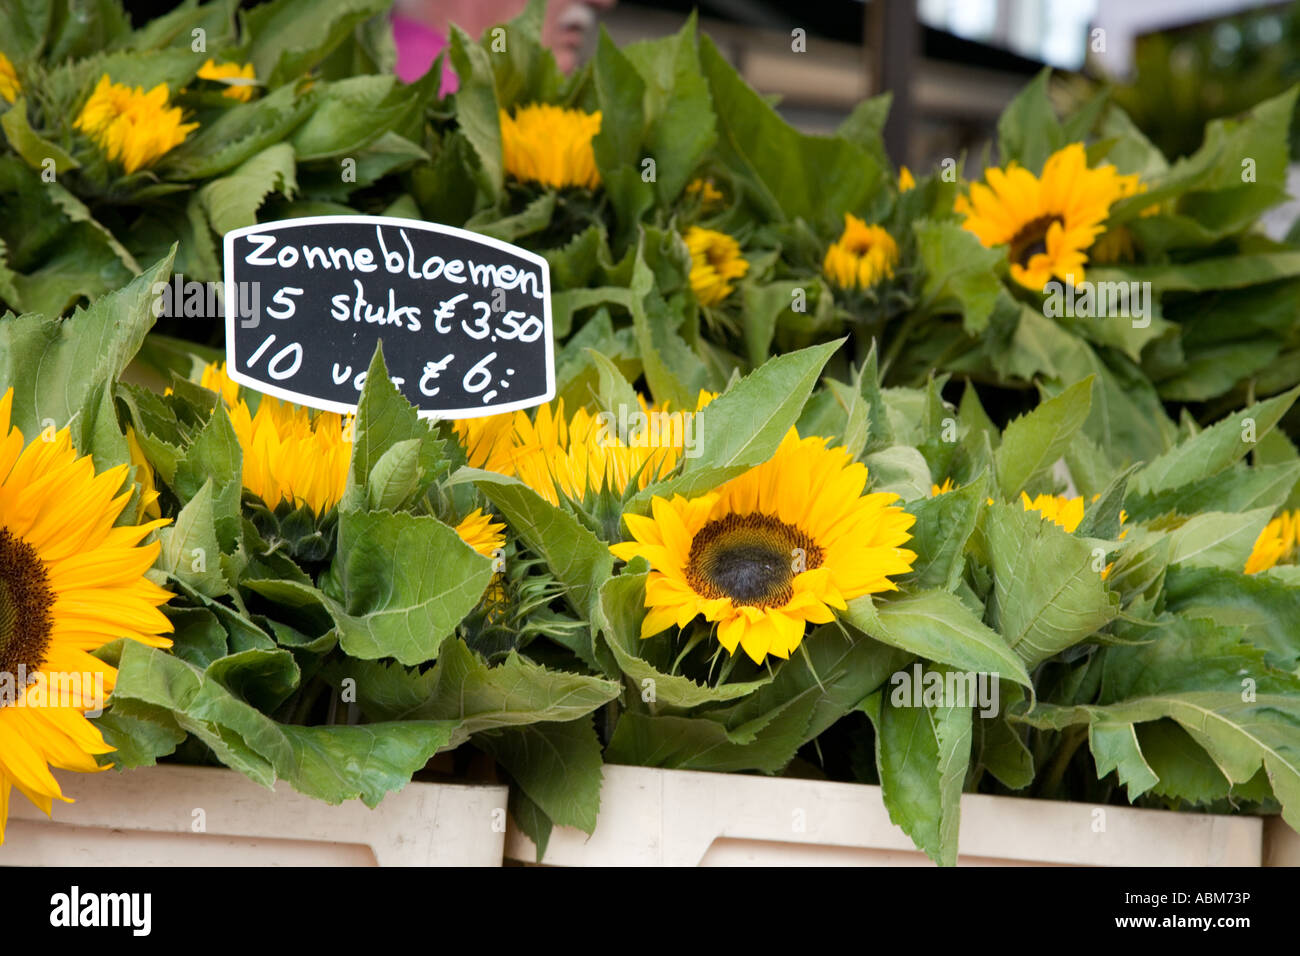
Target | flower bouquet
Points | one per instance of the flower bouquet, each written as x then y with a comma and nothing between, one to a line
848,474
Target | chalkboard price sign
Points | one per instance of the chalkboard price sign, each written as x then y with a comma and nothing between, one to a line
465,320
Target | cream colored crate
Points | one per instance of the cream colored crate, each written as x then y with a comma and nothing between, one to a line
654,817
147,817
1281,843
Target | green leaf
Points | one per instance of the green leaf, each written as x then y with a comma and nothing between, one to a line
406,582
388,432
1028,130
1003,754
557,765
292,36
1127,418
1102,519
237,134
789,175
1215,448
1217,539
615,392
24,26
866,124
840,666
174,28
77,211
531,819
532,219
395,477
944,523
30,145
214,456
922,754
681,125
331,763
959,272
745,425
937,626
675,373
619,615
1115,747
1264,609
1236,489
1032,443
232,201
190,551
353,113
697,743
54,365
85,28
336,763
577,558
462,687
1047,593
263,677
1240,736
138,733
477,108
899,470
620,93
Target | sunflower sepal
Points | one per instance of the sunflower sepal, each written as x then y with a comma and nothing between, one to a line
307,538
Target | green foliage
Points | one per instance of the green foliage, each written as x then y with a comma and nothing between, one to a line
340,651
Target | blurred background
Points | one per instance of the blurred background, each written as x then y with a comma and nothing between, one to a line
1173,64
951,65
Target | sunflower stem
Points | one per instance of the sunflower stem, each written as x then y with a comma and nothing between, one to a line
1070,742
691,643
896,346
807,659
307,701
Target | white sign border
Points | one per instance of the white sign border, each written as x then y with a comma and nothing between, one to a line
309,401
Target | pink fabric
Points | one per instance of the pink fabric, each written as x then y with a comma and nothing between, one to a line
417,47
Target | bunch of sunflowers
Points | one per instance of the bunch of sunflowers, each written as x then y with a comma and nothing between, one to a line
817,421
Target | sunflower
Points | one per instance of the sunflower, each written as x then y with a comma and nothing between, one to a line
241,78
1059,509
861,257
550,145
708,194
771,550
715,262
578,456
943,489
1278,543
289,455
144,477
481,533
215,379
292,455
906,180
1048,222
488,441
131,126
9,85
1116,244
71,581
584,455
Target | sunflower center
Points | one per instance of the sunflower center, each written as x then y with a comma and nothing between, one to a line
25,607
751,559
717,255
1031,240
